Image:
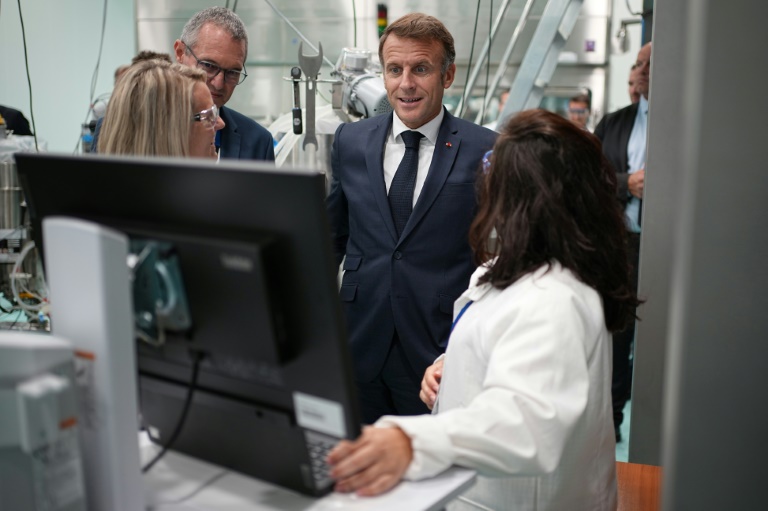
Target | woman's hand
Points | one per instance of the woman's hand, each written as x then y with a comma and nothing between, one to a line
430,384
373,463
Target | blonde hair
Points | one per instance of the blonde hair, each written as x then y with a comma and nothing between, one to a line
150,111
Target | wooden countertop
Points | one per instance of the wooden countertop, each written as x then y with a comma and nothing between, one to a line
639,487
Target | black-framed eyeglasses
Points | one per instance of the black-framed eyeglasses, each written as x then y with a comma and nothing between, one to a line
209,116
231,76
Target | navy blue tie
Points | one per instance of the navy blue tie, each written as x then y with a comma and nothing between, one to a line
401,189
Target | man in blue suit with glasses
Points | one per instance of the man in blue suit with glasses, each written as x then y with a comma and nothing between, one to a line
215,41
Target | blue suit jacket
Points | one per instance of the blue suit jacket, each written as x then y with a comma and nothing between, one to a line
410,283
244,139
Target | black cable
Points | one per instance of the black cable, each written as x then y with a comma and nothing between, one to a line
469,63
95,76
29,79
234,6
631,11
197,358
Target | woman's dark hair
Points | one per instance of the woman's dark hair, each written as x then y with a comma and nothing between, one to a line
550,194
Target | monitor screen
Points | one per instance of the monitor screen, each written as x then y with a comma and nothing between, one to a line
248,253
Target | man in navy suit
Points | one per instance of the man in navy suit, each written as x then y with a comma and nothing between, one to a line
215,41
624,134
402,274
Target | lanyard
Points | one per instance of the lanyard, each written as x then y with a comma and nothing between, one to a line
461,313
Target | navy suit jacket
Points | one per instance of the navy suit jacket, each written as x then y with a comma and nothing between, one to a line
244,139
407,284
614,130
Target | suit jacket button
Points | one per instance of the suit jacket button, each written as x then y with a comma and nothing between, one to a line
398,255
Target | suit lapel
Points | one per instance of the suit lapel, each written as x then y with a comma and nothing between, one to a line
374,159
230,138
446,149
628,123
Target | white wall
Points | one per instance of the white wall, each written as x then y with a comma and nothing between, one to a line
620,65
62,45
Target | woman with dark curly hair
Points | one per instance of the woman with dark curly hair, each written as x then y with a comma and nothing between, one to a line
522,394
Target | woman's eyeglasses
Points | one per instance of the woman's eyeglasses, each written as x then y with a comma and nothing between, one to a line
209,116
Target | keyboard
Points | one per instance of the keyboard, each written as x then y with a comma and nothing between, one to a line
318,447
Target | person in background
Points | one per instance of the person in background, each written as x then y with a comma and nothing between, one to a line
15,121
119,72
401,200
579,109
160,109
634,94
493,125
215,41
623,134
522,394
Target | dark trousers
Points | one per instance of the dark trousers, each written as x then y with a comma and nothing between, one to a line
623,344
395,391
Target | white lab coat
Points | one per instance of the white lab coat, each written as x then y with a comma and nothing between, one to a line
525,398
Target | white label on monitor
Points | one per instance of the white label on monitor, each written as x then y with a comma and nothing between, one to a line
319,414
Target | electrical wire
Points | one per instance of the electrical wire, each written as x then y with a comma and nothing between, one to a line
16,275
234,6
29,79
631,11
197,357
299,33
95,76
180,500
354,21
469,63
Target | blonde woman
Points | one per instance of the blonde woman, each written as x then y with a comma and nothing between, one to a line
160,109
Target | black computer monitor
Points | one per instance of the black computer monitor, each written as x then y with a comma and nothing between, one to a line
258,274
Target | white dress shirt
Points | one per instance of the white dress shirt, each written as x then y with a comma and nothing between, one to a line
395,150
525,398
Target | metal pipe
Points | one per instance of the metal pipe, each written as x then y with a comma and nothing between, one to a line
483,53
504,63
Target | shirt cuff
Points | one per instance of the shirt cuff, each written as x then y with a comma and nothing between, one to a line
432,450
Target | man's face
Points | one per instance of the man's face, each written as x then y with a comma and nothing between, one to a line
413,79
214,45
642,73
578,113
